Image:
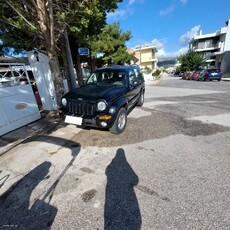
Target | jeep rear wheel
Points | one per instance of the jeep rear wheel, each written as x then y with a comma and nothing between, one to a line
120,122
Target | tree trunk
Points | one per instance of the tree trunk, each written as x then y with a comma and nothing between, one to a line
58,83
46,22
70,62
76,59
65,63
78,67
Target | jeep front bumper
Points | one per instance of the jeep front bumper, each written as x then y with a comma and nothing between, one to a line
99,120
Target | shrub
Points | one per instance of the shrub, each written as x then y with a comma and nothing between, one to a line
147,69
156,73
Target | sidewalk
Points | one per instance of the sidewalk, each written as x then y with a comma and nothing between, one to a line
225,79
48,122
149,79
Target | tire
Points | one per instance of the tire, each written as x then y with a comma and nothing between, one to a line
141,99
120,122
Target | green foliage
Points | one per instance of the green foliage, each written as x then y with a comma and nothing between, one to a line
84,19
178,68
18,31
111,42
156,73
30,24
147,69
191,60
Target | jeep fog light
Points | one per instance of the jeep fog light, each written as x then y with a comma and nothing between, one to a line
103,124
101,106
112,110
64,101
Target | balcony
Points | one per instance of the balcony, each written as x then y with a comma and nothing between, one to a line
206,47
148,59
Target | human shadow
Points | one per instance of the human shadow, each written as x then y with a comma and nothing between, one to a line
75,149
16,208
121,206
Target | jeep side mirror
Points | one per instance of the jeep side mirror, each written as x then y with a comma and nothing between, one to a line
134,84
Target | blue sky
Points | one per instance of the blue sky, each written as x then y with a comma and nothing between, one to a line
169,24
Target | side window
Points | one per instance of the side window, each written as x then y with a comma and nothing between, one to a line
132,77
105,76
122,77
92,79
139,75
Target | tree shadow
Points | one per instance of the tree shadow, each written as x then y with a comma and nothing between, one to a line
121,206
16,208
4,179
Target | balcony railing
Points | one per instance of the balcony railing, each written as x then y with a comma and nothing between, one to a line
206,46
148,59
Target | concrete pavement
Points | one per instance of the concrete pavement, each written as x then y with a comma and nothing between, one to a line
38,166
49,121
60,179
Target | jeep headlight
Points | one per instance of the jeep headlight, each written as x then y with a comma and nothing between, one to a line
101,105
64,101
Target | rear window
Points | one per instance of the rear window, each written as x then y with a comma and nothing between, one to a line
214,70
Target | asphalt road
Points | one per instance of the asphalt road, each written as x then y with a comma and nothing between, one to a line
168,170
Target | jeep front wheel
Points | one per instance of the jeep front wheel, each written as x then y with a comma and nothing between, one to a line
120,122
141,99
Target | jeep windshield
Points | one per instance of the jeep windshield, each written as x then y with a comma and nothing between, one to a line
107,78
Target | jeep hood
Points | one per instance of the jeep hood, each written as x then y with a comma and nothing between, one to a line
95,92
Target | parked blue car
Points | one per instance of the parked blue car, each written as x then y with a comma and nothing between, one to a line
210,74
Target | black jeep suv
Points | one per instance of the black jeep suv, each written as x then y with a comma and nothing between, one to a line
105,99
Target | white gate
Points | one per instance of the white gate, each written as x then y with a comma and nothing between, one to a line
18,106
39,63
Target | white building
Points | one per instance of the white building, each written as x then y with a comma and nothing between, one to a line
215,47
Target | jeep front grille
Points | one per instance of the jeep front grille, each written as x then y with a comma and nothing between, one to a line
80,108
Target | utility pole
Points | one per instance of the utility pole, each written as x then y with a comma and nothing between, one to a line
140,54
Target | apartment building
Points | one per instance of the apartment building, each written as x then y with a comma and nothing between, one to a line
215,47
146,57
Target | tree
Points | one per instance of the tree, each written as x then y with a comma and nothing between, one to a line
111,42
17,31
88,27
38,19
43,23
191,60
